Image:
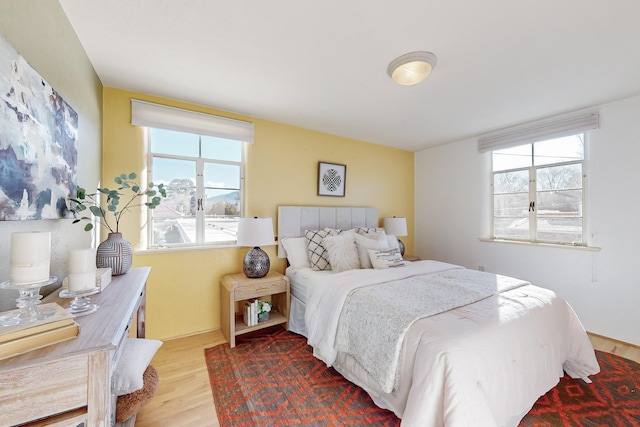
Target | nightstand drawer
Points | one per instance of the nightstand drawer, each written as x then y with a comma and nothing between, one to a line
259,290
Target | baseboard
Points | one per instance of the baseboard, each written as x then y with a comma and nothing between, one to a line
191,334
613,340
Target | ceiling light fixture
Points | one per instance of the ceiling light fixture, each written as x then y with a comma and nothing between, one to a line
411,68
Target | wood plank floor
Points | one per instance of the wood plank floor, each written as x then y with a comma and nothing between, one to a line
184,395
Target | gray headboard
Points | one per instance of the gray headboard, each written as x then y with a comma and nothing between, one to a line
294,220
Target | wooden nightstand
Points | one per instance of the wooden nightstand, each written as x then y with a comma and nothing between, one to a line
238,287
411,258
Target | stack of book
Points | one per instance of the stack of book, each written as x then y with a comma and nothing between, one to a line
18,339
251,312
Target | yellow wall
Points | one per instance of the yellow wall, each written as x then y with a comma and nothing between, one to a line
183,290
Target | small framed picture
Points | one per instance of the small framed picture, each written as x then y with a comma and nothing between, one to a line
332,179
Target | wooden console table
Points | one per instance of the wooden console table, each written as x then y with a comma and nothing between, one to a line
76,373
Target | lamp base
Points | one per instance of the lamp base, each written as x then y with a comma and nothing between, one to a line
256,263
401,245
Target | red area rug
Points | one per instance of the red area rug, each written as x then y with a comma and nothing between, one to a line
613,399
273,379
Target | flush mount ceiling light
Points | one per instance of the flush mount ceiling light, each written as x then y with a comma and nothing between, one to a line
411,68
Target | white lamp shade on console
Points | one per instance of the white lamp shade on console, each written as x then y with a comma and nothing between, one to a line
396,226
255,232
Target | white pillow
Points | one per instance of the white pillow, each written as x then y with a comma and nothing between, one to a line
297,250
372,241
134,360
318,255
393,242
386,259
343,252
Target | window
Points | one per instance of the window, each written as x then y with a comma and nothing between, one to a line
538,191
202,176
538,179
200,160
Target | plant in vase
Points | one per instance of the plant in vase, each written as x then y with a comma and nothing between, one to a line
263,311
115,252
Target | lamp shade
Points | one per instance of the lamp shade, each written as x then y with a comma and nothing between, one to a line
395,225
255,231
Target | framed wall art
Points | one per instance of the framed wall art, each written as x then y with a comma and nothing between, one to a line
38,153
332,179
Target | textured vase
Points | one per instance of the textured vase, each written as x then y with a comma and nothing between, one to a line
114,253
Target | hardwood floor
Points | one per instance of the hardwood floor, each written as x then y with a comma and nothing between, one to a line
184,395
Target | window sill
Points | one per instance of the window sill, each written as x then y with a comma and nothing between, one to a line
169,249
546,245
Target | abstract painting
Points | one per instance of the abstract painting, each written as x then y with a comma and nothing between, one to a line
38,132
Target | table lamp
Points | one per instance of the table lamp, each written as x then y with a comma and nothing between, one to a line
255,232
398,227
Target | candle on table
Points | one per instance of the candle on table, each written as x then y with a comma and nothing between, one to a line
82,270
30,257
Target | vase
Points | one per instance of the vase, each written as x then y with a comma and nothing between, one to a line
263,317
114,253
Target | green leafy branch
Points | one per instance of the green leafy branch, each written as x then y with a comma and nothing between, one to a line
91,202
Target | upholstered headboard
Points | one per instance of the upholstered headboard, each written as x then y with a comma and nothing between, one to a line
294,220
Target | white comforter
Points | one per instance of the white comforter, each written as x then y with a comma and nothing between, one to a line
484,364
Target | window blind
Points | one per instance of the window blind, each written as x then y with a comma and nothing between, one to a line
163,117
537,131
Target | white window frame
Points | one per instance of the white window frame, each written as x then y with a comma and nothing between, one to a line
200,187
151,115
533,197
530,133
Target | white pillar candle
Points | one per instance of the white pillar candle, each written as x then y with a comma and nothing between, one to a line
79,282
82,270
82,261
30,257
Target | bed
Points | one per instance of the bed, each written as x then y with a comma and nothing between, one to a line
436,343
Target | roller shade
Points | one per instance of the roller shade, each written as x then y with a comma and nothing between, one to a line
537,131
170,118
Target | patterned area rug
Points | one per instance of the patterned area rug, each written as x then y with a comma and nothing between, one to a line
273,379
613,399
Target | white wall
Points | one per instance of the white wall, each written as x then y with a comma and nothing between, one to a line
453,208
40,32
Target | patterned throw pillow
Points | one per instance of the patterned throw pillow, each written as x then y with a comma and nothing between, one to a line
387,258
340,231
369,230
318,254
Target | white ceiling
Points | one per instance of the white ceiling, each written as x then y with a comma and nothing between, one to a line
322,64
